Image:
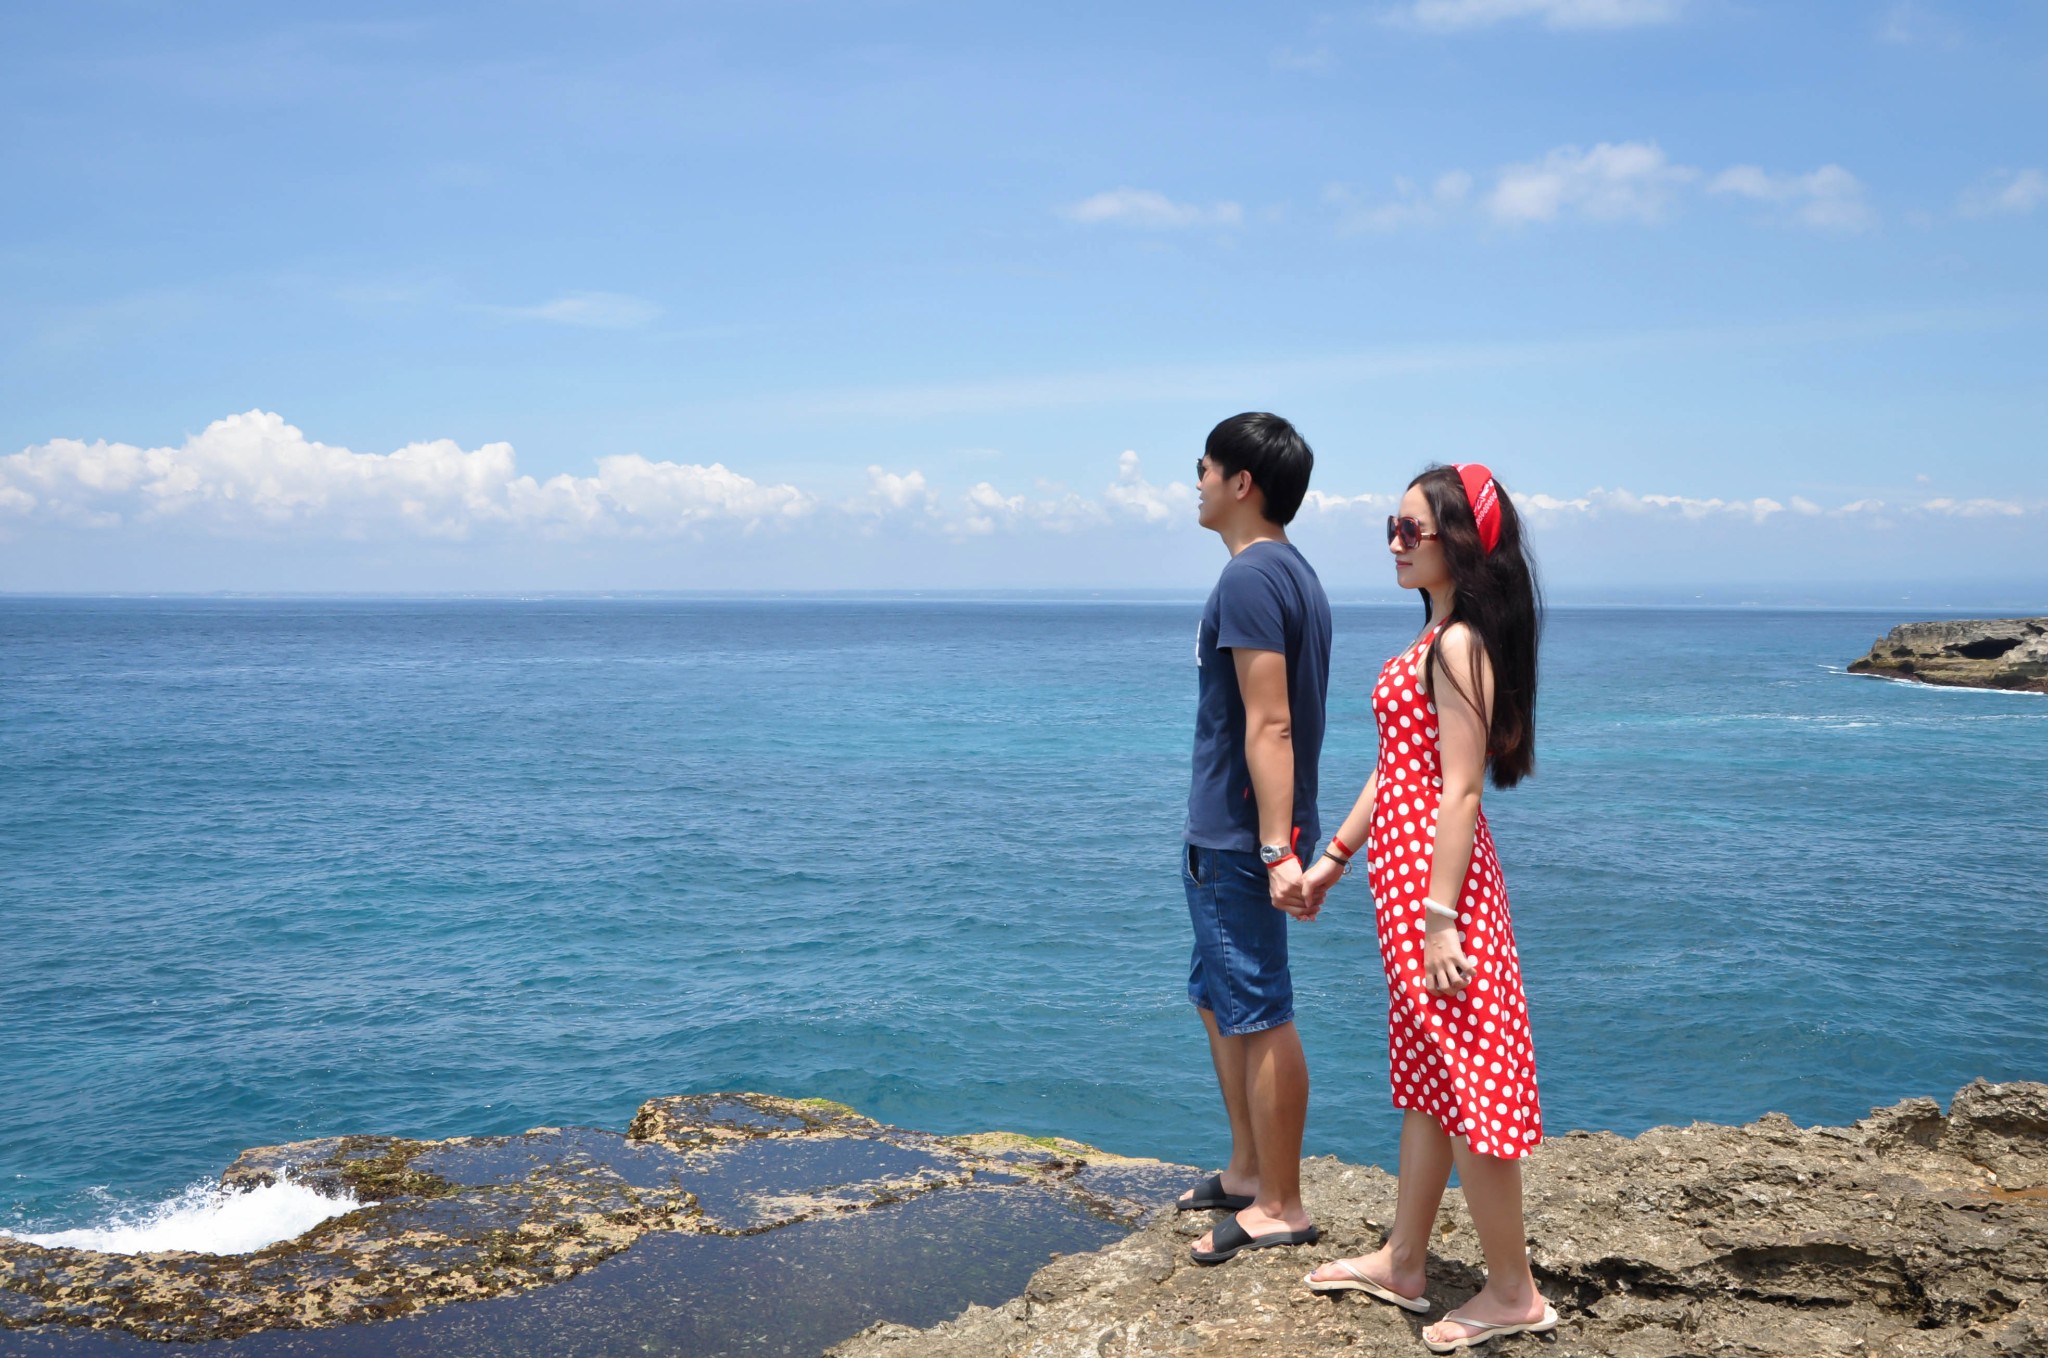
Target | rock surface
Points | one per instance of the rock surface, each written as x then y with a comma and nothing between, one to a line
2009,653
1910,1234
473,1218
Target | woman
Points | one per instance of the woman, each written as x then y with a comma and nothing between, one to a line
1460,700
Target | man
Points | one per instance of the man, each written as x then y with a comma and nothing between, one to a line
1264,657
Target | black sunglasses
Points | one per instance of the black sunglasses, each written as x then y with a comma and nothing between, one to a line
1409,531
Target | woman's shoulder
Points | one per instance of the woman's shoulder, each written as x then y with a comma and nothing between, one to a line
1455,639
1456,643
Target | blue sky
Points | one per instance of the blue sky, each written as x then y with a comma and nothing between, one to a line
1734,297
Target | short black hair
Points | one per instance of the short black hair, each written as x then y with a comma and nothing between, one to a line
1272,451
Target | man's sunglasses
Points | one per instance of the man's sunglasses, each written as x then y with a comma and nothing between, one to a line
1409,532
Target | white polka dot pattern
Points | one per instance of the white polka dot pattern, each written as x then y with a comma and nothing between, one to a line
1468,1062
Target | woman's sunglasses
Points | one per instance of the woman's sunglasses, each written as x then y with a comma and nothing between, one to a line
1409,532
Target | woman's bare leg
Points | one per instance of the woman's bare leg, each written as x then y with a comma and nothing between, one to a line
1493,1193
1401,1264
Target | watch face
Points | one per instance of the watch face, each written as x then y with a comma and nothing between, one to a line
1271,853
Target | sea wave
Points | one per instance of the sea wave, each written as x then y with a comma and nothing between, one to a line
204,1219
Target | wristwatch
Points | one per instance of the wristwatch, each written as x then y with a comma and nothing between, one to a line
1269,854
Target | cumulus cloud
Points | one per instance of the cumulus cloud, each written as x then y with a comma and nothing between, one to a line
1132,494
1612,181
1290,59
594,310
1909,24
1130,499
890,493
1148,208
1599,501
1322,502
1829,198
1459,16
2007,193
1412,204
255,474
256,471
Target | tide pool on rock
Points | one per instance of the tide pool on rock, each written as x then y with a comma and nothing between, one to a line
717,1224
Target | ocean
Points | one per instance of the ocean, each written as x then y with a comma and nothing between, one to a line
272,870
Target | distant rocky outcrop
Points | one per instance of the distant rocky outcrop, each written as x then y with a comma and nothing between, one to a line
1910,1234
2009,653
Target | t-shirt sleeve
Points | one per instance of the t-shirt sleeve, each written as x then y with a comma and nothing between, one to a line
1249,612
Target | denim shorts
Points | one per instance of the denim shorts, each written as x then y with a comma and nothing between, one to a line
1239,968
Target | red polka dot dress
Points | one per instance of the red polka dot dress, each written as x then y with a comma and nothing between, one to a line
1466,1061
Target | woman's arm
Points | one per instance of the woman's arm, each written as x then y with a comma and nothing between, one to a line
1351,836
1463,719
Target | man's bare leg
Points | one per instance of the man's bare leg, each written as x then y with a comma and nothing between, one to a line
1227,1054
1276,1092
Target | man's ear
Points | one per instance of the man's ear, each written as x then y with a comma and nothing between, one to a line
1241,485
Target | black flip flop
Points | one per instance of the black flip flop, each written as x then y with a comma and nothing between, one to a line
1210,1197
1231,1239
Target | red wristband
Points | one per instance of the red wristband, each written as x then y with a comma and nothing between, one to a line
1343,848
1290,858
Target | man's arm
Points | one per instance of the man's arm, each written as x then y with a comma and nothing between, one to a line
1269,753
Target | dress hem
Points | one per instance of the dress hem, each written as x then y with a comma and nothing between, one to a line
1521,1152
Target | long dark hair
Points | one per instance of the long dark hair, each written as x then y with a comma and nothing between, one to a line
1495,594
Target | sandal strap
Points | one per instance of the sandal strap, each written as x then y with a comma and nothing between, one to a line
1228,1236
1481,1324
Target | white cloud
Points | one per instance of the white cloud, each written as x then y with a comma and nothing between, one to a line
1975,509
255,474
1412,205
1612,181
1615,181
1457,16
1054,509
595,310
1829,198
1150,209
1909,24
895,493
1322,502
1600,501
256,471
2008,192
1288,59
1133,494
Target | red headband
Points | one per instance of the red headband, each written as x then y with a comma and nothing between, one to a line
1485,502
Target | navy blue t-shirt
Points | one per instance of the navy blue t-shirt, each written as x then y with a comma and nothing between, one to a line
1267,599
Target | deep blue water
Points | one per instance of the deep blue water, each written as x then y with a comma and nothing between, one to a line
274,870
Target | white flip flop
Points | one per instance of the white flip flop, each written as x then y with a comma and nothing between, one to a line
1358,1282
1489,1331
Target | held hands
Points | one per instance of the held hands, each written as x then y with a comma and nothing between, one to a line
1318,880
1446,969
1288,885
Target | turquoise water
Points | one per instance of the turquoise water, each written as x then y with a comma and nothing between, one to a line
274,870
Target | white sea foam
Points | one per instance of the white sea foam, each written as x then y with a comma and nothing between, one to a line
205,1219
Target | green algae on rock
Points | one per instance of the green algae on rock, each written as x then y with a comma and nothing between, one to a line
471,1218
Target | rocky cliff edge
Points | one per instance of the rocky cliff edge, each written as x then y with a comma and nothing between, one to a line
1910,1234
